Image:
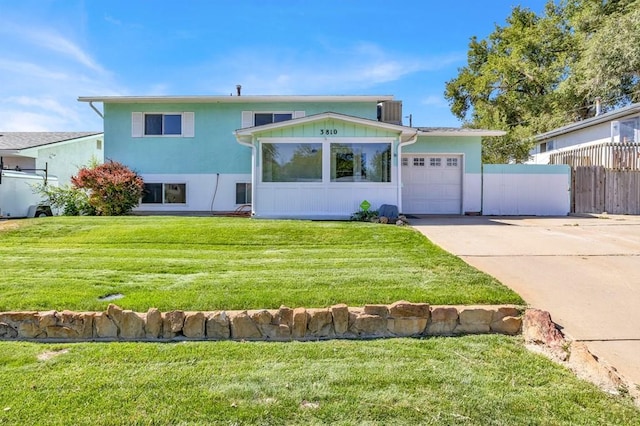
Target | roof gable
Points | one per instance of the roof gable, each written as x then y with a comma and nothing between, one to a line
314,125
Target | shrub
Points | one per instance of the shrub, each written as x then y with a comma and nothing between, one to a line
112,187
364,216
68,200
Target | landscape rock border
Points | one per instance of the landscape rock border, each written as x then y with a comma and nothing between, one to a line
399,319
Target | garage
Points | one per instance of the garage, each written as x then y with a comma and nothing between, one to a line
431,184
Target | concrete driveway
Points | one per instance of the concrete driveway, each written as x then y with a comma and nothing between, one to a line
584,270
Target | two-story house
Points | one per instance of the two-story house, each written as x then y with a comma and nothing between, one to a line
290,156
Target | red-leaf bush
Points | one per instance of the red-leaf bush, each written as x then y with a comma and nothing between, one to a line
113,188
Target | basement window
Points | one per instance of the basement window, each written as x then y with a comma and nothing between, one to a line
243,193
164,193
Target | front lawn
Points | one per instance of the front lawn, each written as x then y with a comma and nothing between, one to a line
208,263
472,380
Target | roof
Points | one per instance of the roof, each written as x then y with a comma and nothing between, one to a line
235,99
599,119
24,140
456,131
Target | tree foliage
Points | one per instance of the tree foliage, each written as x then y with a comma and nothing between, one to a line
539,72
112,187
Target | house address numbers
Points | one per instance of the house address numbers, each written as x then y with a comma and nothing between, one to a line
328,132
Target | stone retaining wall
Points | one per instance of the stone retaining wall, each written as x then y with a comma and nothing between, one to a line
400,319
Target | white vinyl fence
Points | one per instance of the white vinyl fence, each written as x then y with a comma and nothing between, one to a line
526,190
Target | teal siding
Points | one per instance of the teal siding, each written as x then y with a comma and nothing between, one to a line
213,149
470,146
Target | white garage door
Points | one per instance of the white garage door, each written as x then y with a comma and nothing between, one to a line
431,184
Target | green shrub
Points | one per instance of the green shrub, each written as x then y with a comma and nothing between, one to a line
68,200
364,216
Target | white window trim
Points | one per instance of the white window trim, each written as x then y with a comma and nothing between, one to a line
187,125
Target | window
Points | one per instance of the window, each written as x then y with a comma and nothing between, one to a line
405,161
175,124
628,129
163,124
164,193
547,146
261,118
435,162
243,193
418,161
292,162
452,162
361,162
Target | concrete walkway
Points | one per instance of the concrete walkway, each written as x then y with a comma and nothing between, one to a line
584,270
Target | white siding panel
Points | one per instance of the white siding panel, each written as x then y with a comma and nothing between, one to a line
137,124
318,201
509,192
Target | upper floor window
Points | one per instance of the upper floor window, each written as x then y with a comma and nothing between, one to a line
163,124
175,124
260,118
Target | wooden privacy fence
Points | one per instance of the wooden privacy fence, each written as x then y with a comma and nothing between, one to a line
596,189
614,156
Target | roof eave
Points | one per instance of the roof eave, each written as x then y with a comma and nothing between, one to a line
593,121
235,99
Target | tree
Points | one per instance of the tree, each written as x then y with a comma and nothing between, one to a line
113,188
537,73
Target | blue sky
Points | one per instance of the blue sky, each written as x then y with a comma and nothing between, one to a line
52,51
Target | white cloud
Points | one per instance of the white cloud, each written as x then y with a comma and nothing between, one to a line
335,70
43,73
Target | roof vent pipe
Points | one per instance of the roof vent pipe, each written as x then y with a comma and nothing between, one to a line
598,107
239,89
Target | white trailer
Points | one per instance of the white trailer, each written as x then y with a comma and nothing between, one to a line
18,198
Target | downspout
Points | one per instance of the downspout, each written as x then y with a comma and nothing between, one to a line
93,107
411,141
253,171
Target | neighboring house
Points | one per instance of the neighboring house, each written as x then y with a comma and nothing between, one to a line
290,156
61,153
611,140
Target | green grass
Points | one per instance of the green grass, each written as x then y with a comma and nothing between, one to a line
207,263
472,380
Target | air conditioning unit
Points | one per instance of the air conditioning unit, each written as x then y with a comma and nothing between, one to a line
390,112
